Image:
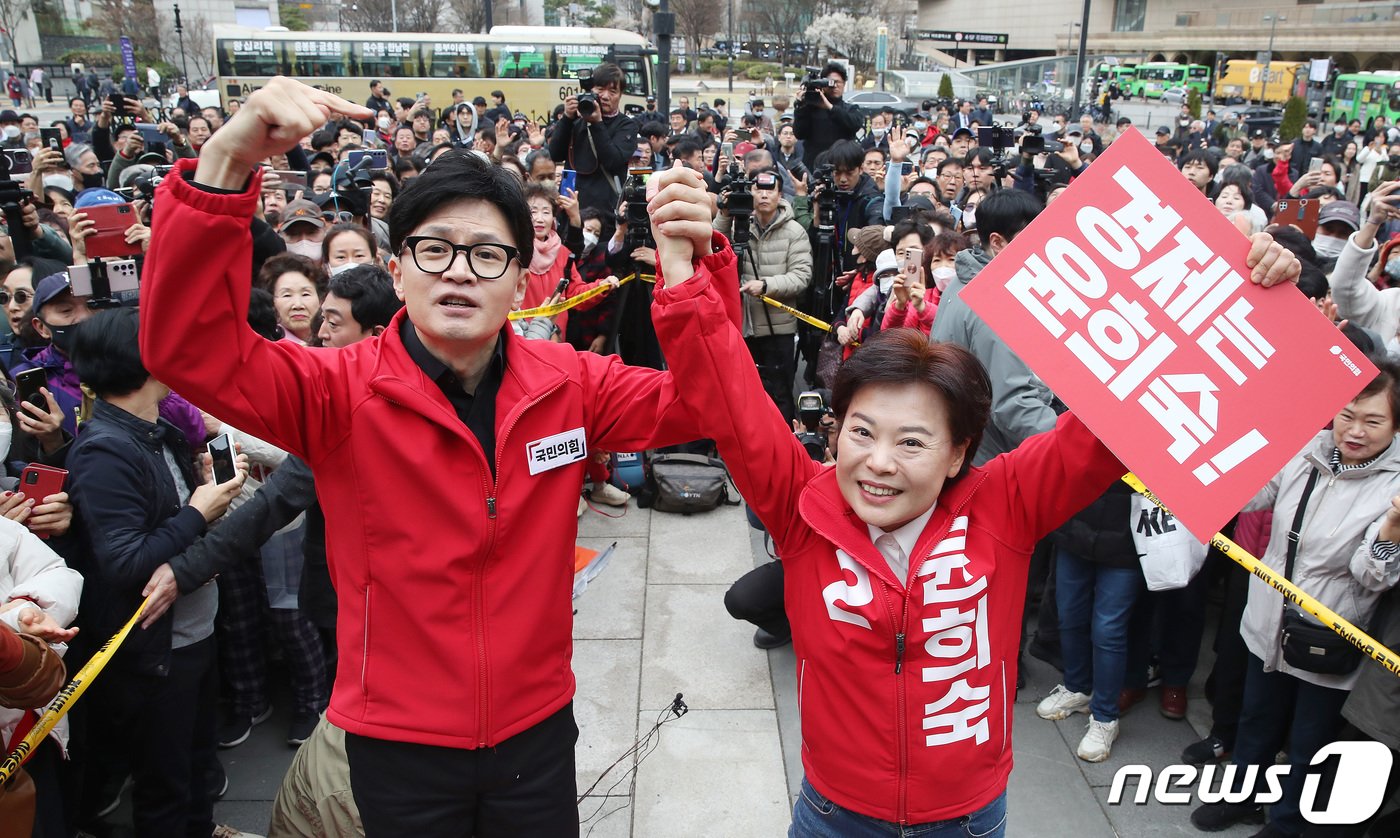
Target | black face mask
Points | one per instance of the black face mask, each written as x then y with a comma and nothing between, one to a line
94,181
62,338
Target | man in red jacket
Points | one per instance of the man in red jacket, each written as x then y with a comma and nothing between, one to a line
448,454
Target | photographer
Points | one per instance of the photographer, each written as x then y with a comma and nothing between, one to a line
823,117
779,265
859,202
596,138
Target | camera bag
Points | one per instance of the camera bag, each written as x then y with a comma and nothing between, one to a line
688,483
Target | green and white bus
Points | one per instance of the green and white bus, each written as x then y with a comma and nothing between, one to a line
1150,79
1365,96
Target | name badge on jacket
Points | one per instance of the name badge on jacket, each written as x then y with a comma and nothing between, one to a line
555,451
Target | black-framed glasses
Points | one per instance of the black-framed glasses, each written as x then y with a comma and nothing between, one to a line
487,260
20,296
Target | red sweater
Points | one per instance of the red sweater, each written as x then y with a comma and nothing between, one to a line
905,686
454,625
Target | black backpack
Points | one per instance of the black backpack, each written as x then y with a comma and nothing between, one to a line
687,483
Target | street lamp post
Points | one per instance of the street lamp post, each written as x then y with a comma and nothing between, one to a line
1069,36
1272,20
731,46
180,33
1079,61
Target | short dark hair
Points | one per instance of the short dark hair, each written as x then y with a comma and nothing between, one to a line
1245,191
1006,211
347,227
651,128
370,291
838,69
1387,381
949,161
199,116
884,155
686,147
904,356
499,95
1200,156
609,73
461,175
107,353
262,314
845,155
1312,282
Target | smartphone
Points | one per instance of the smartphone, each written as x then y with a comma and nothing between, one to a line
52,138
378,159
370,137
27,386
108,238
1301,213
39,481
290,178
727,150
913,258
562,286
568,182
21,162
150,133
221,452
907,168
1315,165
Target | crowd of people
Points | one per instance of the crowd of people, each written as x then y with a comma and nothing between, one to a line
302,293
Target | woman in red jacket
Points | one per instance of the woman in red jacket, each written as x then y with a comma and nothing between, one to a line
905,566
553,258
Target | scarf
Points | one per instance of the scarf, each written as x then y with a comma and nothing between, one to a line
546,251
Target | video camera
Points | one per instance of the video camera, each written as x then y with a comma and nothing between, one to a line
634,195
812,407
108,283
814,84
736,199
587,100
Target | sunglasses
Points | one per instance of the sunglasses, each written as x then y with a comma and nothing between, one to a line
21,297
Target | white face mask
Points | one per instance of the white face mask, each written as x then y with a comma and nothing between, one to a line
11,132
1338,129
944,275
1086,147
886,283
339,269
969,218
921,126
589,240
383,122
61,181
879,132
1327,246
305,247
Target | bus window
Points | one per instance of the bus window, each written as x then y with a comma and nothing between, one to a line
249,58
385,58
454,60
319,59
573,57
516,61
1394,102
634,76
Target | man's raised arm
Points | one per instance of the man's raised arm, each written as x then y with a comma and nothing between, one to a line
194,300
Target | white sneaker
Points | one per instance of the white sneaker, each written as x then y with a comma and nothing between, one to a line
609,494
1098,740
582,505
1061,703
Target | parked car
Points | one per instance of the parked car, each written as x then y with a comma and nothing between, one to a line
1174,96
870,102
1260,116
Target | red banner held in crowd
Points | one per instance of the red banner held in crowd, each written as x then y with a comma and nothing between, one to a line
1130,298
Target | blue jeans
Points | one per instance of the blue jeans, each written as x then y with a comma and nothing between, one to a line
1280,708
816,817
1095,603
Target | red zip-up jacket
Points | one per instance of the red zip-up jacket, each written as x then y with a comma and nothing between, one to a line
454,624
905,686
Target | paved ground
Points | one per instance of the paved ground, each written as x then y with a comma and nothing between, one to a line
653,625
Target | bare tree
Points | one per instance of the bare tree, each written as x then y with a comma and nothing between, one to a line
198,55
781,19
12,13
136,19
697,20
378,16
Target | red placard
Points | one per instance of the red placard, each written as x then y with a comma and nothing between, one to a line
1130,298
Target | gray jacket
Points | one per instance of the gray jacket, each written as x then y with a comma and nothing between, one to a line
1334,563
1374,703
1021,403
783,254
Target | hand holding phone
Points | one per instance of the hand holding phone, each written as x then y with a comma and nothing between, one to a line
221,453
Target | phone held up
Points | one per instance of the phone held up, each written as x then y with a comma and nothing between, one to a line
221,451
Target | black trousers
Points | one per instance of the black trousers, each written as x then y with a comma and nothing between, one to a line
168,728
1225,686
522,788
757,597
776,359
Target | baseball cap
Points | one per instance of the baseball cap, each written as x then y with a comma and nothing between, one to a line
886,262
961,131
740,149
1343,211
919,202
1164,131
96,197
480,100
1074,131
51,288
300,210
8,115
1258,134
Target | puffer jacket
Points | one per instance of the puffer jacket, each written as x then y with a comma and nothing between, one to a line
1334,562
783,254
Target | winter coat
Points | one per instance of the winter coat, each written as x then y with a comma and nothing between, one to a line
599,152
1334,562
783,254
1020,400
1357,298
905,686
1374,703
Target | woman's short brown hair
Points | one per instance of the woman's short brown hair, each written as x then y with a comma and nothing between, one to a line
1387,381
906,356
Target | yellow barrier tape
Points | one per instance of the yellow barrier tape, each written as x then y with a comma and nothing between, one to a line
804,317
63,702
565,305
1371,647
